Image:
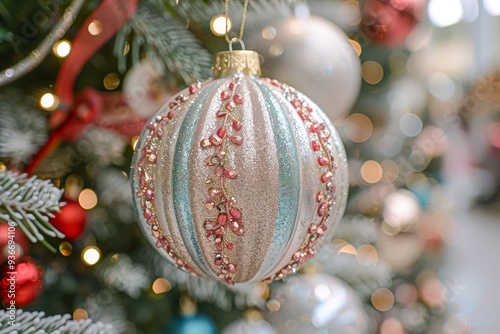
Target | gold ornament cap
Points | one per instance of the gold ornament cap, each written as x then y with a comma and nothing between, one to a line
227,63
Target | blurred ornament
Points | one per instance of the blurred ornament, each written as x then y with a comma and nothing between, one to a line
252,323
317,303
314,56
142,88
13,243
190,321
388,22
71,220
21,283
240,178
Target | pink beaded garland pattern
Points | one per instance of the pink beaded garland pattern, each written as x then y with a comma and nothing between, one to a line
274,190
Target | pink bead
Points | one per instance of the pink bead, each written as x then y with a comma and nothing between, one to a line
192,89
221,113
235,213
218,171
230,174
170,115
237,140
238,99
221,132
322,209
205,143
215,140
326,177
237,125
231,86
222,218
209,225
231,267
150,194
225,95
315,145
322,161
229,246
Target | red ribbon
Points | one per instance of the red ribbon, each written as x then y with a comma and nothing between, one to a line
68,123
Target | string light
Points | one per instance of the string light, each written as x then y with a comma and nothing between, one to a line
95,28
87,199
383,299
218,25
65,248
161,285
80,314
91,255
62,48
49,101
111,81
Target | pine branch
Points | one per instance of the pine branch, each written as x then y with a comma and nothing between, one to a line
162,38
37,323
23,129
28,202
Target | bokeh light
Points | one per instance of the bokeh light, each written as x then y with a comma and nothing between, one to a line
372,72
367,255
356,46
358,128
161,285
492,7
458,324
441,86
95,28
49,101
111,81
390,171
80,314
391,326
62,48
411,125
276,50
91,255
383,299
494,135
371,171
350,13
273,305
443,13
406,294
65,248
269,33
2,167
218,25
401,209
87,199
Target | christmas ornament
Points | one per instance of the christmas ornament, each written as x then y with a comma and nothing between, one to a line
388,22
21,283
317,303
13,243
142,88
190,320
314,56
239,178
71,220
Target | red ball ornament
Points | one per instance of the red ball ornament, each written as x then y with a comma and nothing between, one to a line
13,243
388,22
21,282
71,220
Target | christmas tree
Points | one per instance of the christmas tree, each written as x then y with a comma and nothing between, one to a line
79,81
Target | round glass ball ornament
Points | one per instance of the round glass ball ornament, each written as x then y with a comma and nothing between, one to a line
239,178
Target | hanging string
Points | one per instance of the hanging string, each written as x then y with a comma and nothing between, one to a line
242,26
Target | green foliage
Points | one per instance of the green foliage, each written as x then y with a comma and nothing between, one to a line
20,321
29,202
153,33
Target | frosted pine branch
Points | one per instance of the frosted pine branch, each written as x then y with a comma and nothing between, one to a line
37,323
153,32
29,202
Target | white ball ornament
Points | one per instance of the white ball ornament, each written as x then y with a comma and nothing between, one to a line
315,56
239,178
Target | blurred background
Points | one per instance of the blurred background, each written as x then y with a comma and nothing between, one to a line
412,86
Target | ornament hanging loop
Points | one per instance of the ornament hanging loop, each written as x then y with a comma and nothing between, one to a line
229,40
235,40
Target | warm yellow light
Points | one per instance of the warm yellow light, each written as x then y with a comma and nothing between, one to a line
356,46
134,142
65,248
49,101
80,314
2,167
91,255
358,128
218,25
371,171
62,48
87,199
95,28
269,33
111,81
348,249
372,72
367,255
273,305
161,285
383,299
